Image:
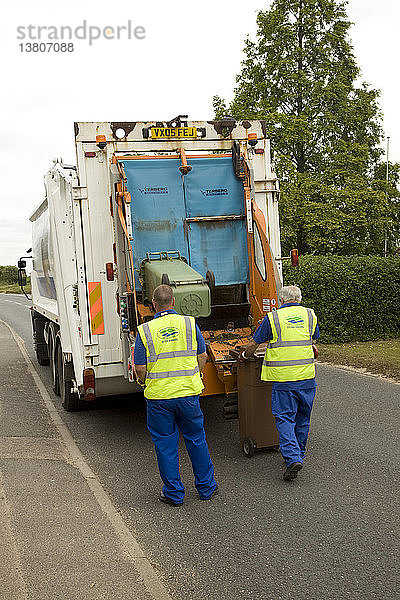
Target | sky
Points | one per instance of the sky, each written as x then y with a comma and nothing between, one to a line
190,52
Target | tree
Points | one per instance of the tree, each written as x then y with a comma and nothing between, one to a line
387,181
300,76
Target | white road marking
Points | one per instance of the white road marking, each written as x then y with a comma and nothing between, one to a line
143,566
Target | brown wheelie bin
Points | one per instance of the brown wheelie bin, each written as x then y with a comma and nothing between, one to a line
256,421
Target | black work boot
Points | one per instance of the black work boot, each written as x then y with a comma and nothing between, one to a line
292,470
169,501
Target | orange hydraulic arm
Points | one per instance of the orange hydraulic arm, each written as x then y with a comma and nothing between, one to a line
184,168
124,196
262,288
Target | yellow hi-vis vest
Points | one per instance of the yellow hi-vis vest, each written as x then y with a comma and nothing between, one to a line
289,355
171,354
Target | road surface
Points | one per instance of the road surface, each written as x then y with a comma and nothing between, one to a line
331,534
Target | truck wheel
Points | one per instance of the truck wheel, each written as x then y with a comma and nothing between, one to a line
39,341
249,447
54,349
42,356
69,399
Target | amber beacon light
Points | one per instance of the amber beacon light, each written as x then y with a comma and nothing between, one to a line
252,139
294,257
101,141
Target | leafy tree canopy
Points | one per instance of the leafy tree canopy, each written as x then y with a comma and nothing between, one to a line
300,75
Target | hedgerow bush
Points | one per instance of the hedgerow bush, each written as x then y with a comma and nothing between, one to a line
356,298
8,274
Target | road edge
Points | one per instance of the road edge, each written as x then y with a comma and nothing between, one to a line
360,371
129,544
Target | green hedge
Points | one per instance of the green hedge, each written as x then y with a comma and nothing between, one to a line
8,274
356,298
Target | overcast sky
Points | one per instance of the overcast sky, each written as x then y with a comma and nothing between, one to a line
192,50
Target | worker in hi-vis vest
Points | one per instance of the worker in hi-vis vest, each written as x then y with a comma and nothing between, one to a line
289,362
169,355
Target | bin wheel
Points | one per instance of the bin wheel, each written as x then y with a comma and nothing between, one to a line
249,447
165,279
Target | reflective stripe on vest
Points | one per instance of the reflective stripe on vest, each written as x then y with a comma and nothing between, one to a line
165,374
172,373
287,363
287,358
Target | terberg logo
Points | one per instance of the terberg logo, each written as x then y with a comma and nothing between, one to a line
154,190
168,334
215,192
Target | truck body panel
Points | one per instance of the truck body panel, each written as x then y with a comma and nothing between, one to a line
201,189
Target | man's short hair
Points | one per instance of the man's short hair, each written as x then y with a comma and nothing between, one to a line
290,293
163,296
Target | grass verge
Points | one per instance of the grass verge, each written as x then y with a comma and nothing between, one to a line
13,288
381,356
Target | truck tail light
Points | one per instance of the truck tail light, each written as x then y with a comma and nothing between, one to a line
89,385
110,271
90,154
294,257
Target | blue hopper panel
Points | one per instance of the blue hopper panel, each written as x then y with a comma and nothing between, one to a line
161,201
157,207
212,189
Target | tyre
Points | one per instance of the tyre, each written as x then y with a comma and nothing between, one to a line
42,356
53,351
249,447
39,342
69,398
58,368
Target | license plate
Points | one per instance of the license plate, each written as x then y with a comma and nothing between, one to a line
162,133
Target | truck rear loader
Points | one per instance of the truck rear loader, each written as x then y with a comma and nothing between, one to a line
190,204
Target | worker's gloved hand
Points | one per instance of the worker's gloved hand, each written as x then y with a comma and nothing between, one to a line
242,357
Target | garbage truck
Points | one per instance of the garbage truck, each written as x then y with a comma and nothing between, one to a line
192,204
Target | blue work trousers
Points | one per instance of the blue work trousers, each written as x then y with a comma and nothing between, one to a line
292,412
164,420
